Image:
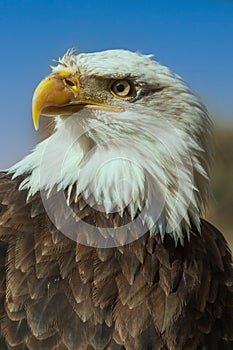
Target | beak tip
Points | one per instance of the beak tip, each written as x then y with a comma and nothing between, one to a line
35,119
36,127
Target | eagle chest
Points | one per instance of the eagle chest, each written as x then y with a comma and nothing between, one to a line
59,294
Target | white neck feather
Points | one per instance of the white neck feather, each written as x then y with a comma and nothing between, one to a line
124,160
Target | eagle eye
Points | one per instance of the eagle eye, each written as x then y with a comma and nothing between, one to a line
121,88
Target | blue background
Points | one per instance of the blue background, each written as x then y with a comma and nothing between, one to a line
194,38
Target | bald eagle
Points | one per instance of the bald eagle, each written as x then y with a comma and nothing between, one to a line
102,241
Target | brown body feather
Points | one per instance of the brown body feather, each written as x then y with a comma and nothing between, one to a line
59,295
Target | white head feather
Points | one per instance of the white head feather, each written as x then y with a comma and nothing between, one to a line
153,157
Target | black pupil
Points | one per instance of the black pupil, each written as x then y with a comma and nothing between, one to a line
120,87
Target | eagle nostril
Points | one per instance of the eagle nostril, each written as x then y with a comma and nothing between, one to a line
69,82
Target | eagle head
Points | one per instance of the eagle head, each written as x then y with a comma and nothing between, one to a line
130,138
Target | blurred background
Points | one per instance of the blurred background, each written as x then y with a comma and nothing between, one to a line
193,38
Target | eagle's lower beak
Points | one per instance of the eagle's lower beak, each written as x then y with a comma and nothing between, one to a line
58,94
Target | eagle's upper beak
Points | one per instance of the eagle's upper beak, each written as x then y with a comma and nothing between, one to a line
58,94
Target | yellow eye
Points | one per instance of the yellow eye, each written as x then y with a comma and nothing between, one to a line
121,88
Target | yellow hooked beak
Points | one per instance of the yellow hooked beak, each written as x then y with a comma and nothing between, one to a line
58,94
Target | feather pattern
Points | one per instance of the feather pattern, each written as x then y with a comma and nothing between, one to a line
58,294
